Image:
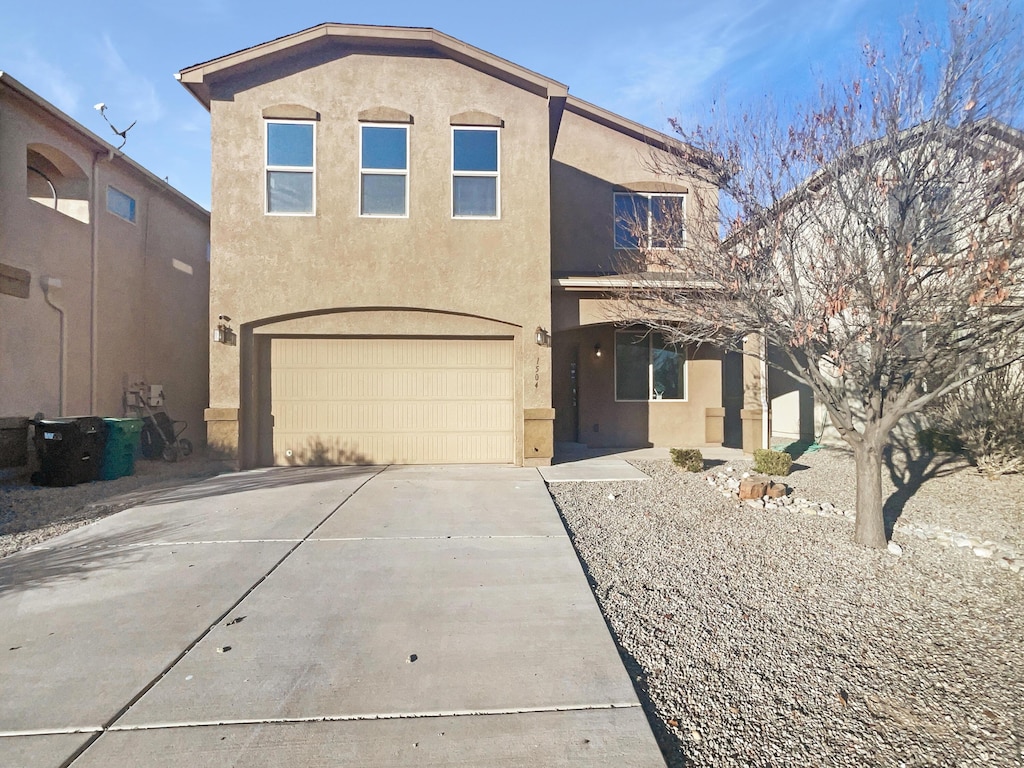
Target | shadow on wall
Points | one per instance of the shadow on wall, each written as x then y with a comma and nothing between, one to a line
317,453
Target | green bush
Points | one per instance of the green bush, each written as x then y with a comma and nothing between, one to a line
688,459
768,462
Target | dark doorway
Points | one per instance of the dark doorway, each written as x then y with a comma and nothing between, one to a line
732,398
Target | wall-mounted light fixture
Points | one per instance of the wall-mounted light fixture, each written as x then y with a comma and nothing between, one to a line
542,337
597,349
223,334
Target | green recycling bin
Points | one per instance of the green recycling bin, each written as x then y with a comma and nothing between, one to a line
122,443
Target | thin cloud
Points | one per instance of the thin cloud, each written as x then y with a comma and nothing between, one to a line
46,79
136,93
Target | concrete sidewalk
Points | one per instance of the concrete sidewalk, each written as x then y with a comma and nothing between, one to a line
330,616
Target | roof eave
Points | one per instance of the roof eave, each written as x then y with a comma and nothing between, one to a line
195,78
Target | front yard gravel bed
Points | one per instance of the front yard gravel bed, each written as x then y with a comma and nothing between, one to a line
760,638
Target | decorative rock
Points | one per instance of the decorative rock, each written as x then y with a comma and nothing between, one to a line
895,549
754,487
756,503
777,490
985,552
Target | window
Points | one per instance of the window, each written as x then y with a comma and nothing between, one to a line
290,153
383,170
649,221
475,173
120,204
648,367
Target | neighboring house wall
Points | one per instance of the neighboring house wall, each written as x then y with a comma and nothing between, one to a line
133,294
335,273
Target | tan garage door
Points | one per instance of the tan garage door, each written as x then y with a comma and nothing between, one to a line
392,401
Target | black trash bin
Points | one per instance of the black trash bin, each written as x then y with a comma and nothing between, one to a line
70,450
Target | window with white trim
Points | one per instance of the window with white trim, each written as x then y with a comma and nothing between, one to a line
647,220
291,156
648,367
475,173
383,170
121,204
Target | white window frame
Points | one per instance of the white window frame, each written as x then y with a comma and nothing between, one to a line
383,172
495,174
135,205
267,167
651,398
650,218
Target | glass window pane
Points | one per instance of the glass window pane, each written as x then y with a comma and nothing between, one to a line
669,365
383,195
475,196
667,224
289,192
384,148
632,359
120,204
630,221
476,151
290,144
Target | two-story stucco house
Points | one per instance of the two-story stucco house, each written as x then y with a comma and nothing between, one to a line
415,241
104,275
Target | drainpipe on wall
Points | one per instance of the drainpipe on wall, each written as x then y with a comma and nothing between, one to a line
93,283
48,283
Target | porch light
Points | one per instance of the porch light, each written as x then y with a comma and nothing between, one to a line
597,349
542,337
223,334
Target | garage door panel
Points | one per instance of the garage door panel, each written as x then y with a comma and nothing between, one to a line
392,400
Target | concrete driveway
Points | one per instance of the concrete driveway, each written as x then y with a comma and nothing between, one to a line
332,616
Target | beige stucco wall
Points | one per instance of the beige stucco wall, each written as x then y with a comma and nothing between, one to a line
265,267
150,318
590,161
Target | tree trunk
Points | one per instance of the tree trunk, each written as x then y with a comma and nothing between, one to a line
870,526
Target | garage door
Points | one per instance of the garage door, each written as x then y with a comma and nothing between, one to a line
392,401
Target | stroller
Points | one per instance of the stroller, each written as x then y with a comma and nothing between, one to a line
161,435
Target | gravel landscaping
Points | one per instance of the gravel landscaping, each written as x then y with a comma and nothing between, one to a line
31,514
761,637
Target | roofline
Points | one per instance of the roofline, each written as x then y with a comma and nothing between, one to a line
112,152
643,133
194,77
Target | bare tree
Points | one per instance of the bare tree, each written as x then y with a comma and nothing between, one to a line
873,238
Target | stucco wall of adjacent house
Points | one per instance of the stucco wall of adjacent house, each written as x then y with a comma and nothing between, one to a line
268,268
150,319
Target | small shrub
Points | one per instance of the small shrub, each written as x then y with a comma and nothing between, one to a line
938,441
768,462
986,415
687,459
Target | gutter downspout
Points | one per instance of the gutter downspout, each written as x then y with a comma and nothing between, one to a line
47,283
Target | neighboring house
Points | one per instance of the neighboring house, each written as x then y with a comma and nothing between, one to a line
937,218
104,273
414,241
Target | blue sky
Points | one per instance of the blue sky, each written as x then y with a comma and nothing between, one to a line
648,61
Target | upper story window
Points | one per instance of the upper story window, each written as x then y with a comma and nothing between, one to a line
648,367
647,220
383,170
475,188
291,150
120,204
